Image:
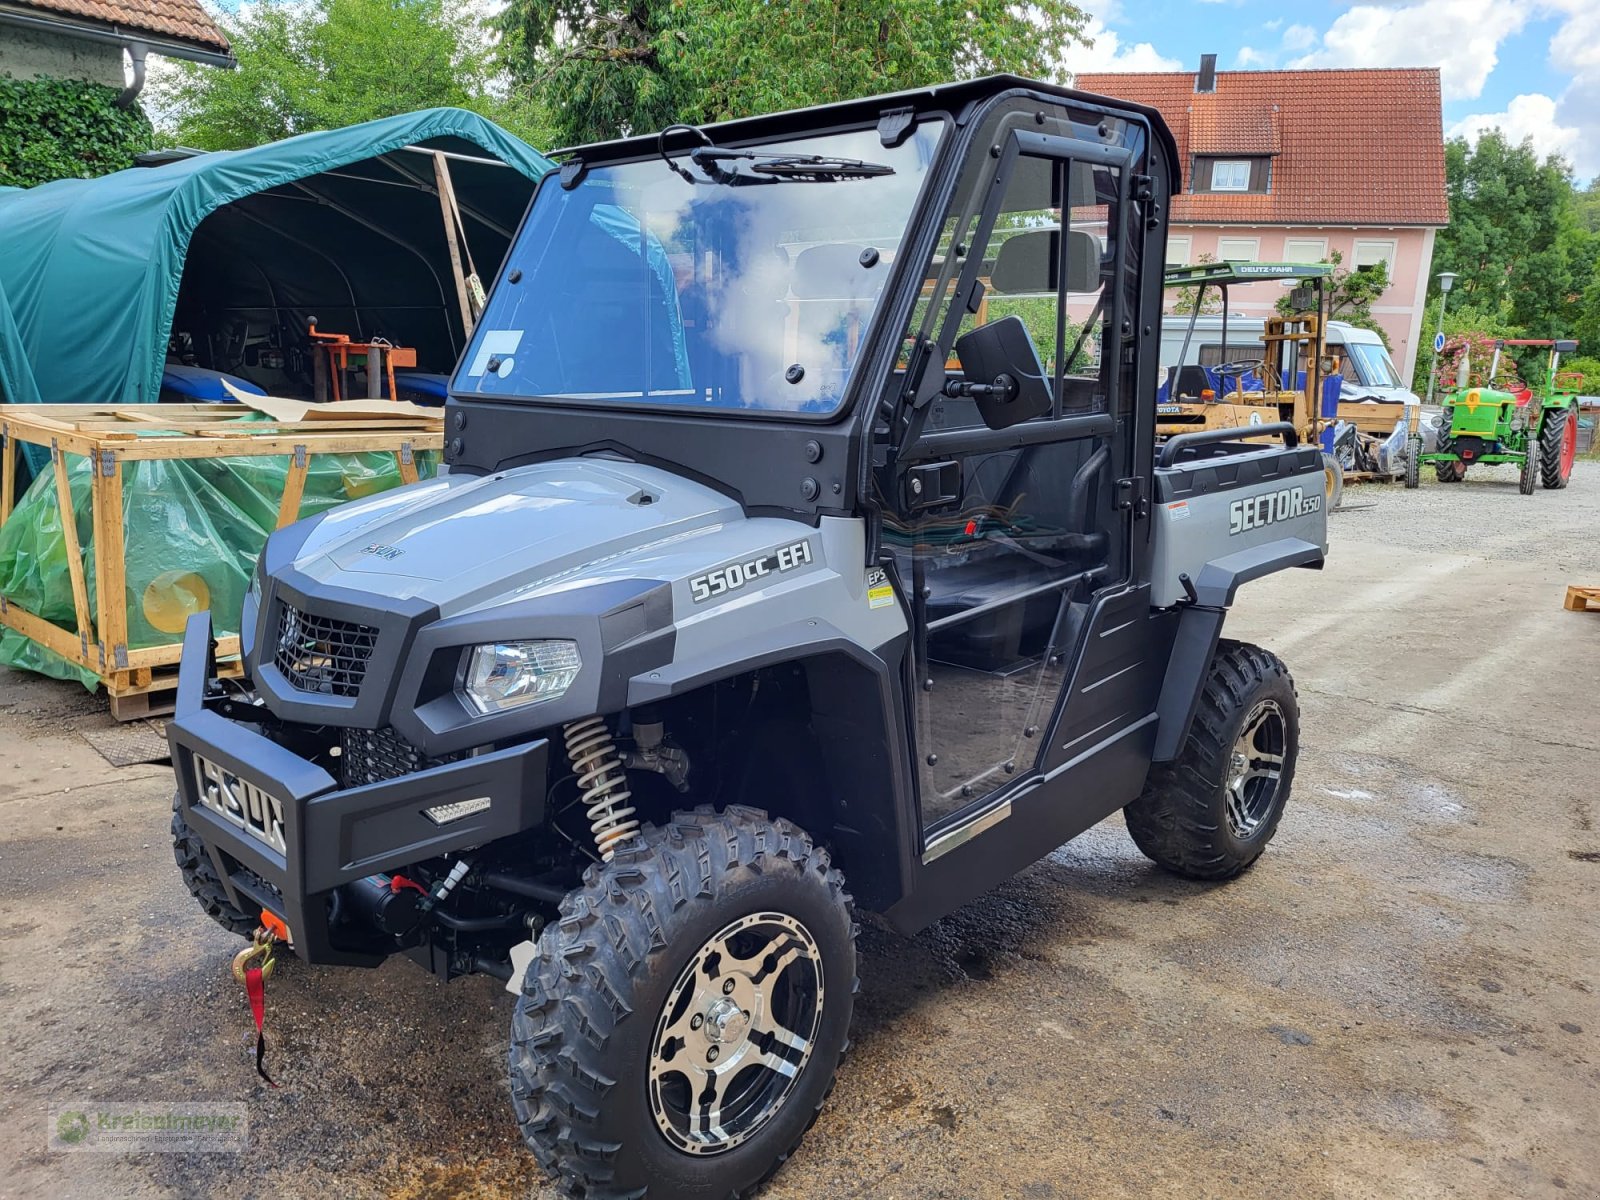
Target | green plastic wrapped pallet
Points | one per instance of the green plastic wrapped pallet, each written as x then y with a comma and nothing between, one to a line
193,528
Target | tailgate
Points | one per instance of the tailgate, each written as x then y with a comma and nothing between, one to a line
1242,509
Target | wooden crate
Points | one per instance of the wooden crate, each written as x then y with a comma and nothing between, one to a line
1582,599
1375,420
140,680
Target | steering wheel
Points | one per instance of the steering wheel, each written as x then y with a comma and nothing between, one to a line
1243,367
1237,371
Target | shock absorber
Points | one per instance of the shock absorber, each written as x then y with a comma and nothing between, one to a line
602,782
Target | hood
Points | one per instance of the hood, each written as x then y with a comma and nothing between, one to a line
461,541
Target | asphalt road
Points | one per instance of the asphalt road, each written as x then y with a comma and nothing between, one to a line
1399,999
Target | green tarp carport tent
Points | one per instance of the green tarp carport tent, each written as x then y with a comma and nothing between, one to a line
238,250
344,225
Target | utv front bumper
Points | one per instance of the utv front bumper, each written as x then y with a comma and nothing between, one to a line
284,835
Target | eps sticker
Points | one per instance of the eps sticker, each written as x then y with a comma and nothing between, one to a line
1270,508
740,574
880,592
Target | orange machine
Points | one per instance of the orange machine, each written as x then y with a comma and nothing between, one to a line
378,356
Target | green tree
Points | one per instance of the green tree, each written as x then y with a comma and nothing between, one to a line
1181,301
599,70
1351,293
1586,204
326,63
1508,211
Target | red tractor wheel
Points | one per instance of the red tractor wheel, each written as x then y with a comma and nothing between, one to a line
1558,446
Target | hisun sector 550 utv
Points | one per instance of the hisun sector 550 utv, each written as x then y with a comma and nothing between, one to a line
805,547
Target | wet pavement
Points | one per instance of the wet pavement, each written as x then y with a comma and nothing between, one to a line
1399,999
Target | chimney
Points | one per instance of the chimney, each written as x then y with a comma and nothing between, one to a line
1206,81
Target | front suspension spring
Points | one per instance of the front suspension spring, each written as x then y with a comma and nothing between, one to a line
602,782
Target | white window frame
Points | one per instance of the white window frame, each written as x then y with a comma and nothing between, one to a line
1254,254
1320,255
1362,253
1177,257
1243,184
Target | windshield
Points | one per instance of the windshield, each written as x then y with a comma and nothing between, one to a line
639,286
1372,364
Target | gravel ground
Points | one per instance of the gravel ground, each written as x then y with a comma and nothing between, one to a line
1484,515
1399,999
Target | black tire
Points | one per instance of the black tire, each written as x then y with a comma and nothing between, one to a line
584,1038
1182,820
1413,461
1332,481
1453,471
1552,444
1528,479
203,882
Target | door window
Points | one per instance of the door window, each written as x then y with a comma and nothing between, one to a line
1001,575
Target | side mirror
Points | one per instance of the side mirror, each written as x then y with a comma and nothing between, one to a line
1002,372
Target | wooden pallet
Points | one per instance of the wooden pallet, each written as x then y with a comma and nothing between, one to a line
1582,599
140,679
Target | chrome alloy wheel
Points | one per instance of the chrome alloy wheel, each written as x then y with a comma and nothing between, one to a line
735,1033
1255,769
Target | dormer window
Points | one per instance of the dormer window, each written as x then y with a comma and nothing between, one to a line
1216,174
1230,175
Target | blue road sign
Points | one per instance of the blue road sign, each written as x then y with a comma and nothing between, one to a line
1438,342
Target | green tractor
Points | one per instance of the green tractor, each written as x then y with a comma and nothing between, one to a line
1486,424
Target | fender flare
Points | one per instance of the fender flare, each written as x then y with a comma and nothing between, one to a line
1200,628
1220,578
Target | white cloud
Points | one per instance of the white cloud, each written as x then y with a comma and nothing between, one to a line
1299,37
1575,48
1249,56
1108,52
1527,116
1568,123
1576,44
1460,37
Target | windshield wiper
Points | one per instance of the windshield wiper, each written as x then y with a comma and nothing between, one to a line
769,167
719,165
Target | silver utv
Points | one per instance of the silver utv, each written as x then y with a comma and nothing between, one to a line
803,523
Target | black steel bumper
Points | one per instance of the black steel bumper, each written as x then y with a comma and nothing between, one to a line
284,820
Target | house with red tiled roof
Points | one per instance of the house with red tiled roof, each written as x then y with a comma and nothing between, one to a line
86,39
1294,165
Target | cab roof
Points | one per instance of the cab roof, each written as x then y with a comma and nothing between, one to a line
960,100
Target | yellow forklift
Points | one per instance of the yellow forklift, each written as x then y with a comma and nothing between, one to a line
1289,381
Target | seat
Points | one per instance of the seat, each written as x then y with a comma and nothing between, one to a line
1192,380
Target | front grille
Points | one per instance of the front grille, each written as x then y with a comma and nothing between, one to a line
241,803
322,654
374,755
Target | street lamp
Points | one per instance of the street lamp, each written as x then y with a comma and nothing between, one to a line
1447,280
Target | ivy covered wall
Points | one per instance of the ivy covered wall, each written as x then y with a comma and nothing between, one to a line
63,129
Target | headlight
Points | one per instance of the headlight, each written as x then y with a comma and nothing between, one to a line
510,674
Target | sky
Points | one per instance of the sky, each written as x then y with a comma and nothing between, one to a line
1530,67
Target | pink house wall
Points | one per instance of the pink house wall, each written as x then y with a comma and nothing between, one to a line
1398,310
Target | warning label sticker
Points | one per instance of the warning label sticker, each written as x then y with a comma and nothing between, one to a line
880,592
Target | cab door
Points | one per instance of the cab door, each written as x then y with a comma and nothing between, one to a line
1013,541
